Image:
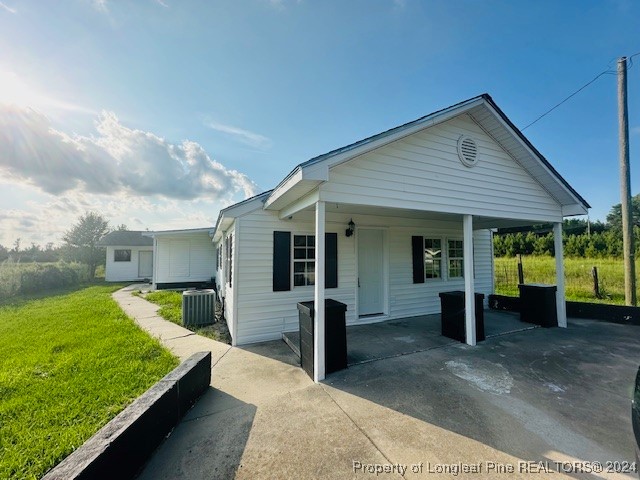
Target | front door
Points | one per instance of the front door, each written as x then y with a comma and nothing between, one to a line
145,264
370,272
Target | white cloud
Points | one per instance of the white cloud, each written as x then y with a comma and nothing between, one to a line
115,160
48,178
7,8
101,5
46,221
245,136
281,4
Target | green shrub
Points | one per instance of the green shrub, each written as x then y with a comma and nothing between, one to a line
25,278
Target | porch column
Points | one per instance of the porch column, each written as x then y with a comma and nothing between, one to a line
560,297
318,332
469,297
154,278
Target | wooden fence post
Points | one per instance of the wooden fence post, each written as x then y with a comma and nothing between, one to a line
520,271
596,285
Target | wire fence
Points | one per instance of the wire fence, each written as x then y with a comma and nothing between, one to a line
605,284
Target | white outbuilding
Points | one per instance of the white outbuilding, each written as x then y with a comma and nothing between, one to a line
129,256
387,223
184,258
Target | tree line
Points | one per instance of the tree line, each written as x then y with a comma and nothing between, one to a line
80,244
580,238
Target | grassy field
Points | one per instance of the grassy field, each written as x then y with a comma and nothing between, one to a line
578,279
70,362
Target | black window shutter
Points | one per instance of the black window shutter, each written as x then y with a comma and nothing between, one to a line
417,251
331,260
281,261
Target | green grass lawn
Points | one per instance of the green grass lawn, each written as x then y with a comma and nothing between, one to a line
170,302
578,279
70,362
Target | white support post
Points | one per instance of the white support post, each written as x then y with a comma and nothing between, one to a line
154,280
319,331
469,293
561,304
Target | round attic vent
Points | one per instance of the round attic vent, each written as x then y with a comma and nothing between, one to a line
467,151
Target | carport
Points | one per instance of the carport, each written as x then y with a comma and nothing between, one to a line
393,338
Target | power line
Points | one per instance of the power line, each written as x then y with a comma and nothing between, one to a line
605,72
569,97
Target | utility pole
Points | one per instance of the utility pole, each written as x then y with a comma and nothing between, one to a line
625,187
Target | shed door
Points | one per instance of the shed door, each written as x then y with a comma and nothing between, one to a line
370,272
145,264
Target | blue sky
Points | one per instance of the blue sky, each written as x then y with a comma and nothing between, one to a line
157,113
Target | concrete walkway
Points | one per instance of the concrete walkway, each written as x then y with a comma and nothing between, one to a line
545,395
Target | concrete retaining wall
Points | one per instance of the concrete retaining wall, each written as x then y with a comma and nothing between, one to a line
124,444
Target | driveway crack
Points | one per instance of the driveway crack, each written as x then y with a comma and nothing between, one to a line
221,357
179,336
359,428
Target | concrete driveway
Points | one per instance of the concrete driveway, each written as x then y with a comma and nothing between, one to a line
523,405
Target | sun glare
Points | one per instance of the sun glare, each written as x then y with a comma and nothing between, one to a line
15,91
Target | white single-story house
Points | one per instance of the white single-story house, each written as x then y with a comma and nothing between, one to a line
129,256
184,258
393,219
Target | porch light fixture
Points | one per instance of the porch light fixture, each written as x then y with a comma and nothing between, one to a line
349,231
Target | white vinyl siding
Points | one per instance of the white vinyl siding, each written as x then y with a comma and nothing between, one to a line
423,172
226,289
184,258
123,271
411,299
264,314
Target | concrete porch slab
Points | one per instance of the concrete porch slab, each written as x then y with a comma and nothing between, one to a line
392,338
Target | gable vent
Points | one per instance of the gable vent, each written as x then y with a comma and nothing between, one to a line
467,151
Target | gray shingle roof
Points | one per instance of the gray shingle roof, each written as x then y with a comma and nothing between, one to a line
125,238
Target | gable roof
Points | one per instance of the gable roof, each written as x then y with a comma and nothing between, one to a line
228,214
484,111
182,231
125,238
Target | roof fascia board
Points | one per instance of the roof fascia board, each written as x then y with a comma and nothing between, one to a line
299,204
542,161
166,233
572,210
293,178
239,209
319,170
436,119
222,227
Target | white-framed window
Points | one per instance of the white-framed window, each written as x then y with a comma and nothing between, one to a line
304,260
122,255
229,263
455,258
432,258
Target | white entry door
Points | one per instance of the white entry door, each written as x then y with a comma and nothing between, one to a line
370,272
145,264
